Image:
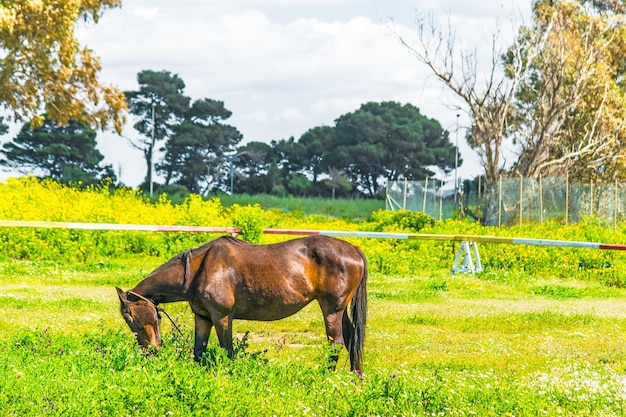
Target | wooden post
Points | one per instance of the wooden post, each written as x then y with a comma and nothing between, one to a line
615,207
521,198
440,199
404,204
540,200
566,199
434,197
590,197
500,202
425,194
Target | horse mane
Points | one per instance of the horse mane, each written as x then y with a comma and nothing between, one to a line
232,239
185,257
205,247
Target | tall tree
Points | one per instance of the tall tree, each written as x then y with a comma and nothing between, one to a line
160,107
255,158
603,6
317,142
65,153
390,141
256,169
43,68
291,159
195,153
337,181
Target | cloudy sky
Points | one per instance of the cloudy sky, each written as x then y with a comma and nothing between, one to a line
285,66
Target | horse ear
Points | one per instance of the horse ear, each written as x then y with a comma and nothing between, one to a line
122,295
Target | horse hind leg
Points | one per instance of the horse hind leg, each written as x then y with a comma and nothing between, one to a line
348,330
224,329
349,339
335,334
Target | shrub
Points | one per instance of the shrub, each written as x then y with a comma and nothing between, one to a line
251,220
401,220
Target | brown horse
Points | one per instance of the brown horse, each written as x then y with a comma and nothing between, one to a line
228,279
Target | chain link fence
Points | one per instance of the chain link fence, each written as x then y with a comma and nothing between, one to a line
512,201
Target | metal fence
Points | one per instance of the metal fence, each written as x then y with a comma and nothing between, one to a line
512,201
433,197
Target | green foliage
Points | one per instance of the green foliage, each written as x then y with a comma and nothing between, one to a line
65,153
348,209
401,220
251,220
370,140
349,158
194,153
299,184
31,199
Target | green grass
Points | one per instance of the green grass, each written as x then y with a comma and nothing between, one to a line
357,209
436,345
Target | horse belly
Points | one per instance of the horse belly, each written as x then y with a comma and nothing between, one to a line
268,307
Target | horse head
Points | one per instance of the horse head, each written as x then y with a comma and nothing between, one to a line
143,318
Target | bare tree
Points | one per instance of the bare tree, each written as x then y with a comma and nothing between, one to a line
553,94
489,101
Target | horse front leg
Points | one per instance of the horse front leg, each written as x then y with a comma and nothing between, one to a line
202,331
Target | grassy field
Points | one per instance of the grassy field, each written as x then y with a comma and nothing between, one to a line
436,345
358,209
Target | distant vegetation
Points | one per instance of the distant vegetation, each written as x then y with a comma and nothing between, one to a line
31,199
351,209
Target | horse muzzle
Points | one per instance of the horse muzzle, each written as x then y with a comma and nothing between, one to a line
149,338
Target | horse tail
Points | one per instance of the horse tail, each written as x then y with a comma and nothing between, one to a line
359,317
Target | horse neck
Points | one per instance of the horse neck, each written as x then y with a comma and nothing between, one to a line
164,285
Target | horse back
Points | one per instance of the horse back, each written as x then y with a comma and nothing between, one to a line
279,278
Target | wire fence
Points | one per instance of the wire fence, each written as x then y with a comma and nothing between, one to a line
512,201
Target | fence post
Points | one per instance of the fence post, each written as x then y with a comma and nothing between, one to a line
615,206
590,197
500,202
425,194
567,199
434,197
404,203
440,199
540,199
521,199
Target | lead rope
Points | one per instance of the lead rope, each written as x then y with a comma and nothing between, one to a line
157,308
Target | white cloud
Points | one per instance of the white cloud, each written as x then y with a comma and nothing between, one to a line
291,114
144,13
337,106
256,117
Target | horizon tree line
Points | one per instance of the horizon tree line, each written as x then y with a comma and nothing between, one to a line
195,150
